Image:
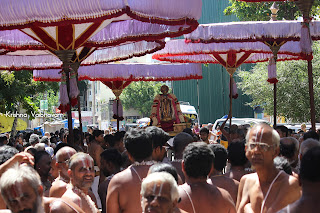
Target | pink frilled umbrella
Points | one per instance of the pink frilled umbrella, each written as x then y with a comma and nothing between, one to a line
113,53
119,76
230,55
34,55
272,33
305,8
65,26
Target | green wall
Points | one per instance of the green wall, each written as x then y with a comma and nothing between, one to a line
214,87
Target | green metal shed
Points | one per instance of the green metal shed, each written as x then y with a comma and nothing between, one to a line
214,87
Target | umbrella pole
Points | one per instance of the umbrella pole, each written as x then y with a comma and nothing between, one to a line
118,121
69,111
75,67
198,93
230,112
65,56
80,122
274,105
311,94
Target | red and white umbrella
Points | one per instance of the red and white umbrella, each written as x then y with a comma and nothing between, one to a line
305,8
119,76
230,55
65,26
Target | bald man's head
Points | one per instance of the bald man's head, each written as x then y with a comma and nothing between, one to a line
65,153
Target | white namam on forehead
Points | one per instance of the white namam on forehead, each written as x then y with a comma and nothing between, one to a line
11,180
155,188
15,192
162,177
260,131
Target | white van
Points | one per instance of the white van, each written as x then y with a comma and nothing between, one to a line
239,121
189,111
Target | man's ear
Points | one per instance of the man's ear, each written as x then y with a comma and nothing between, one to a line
69,173
276,151
211,170
174,204
40,190
130,158
182,167
159,149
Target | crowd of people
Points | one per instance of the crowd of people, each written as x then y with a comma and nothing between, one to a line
261,169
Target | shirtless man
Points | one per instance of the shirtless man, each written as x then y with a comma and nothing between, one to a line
216,177
95,149
81,173
21,188
159,139
196,194
111,162
268,190
238,160
124,188
204,135
159,193
310,181
59,186
180,142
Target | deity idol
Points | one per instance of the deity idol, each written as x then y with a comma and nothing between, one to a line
166,110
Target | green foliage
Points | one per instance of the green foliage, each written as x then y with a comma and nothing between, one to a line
292,88
17,90
261,11
53,99
139,95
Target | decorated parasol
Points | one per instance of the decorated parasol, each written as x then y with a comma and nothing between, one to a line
119,76
64,26
272,33
305,8
230,55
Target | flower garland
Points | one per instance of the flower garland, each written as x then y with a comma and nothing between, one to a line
86,197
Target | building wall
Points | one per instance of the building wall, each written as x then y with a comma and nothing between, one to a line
214,87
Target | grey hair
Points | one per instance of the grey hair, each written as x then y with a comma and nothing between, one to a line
293,140
308,144
275,134
40,147
163,177
17,174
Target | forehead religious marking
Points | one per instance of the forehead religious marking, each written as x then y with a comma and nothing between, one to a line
155,189
15,191
259,134
86,163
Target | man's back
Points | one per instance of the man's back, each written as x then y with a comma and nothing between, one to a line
94,150
58,188
227,184
124,190
177,165
283,191
205,198
236,174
